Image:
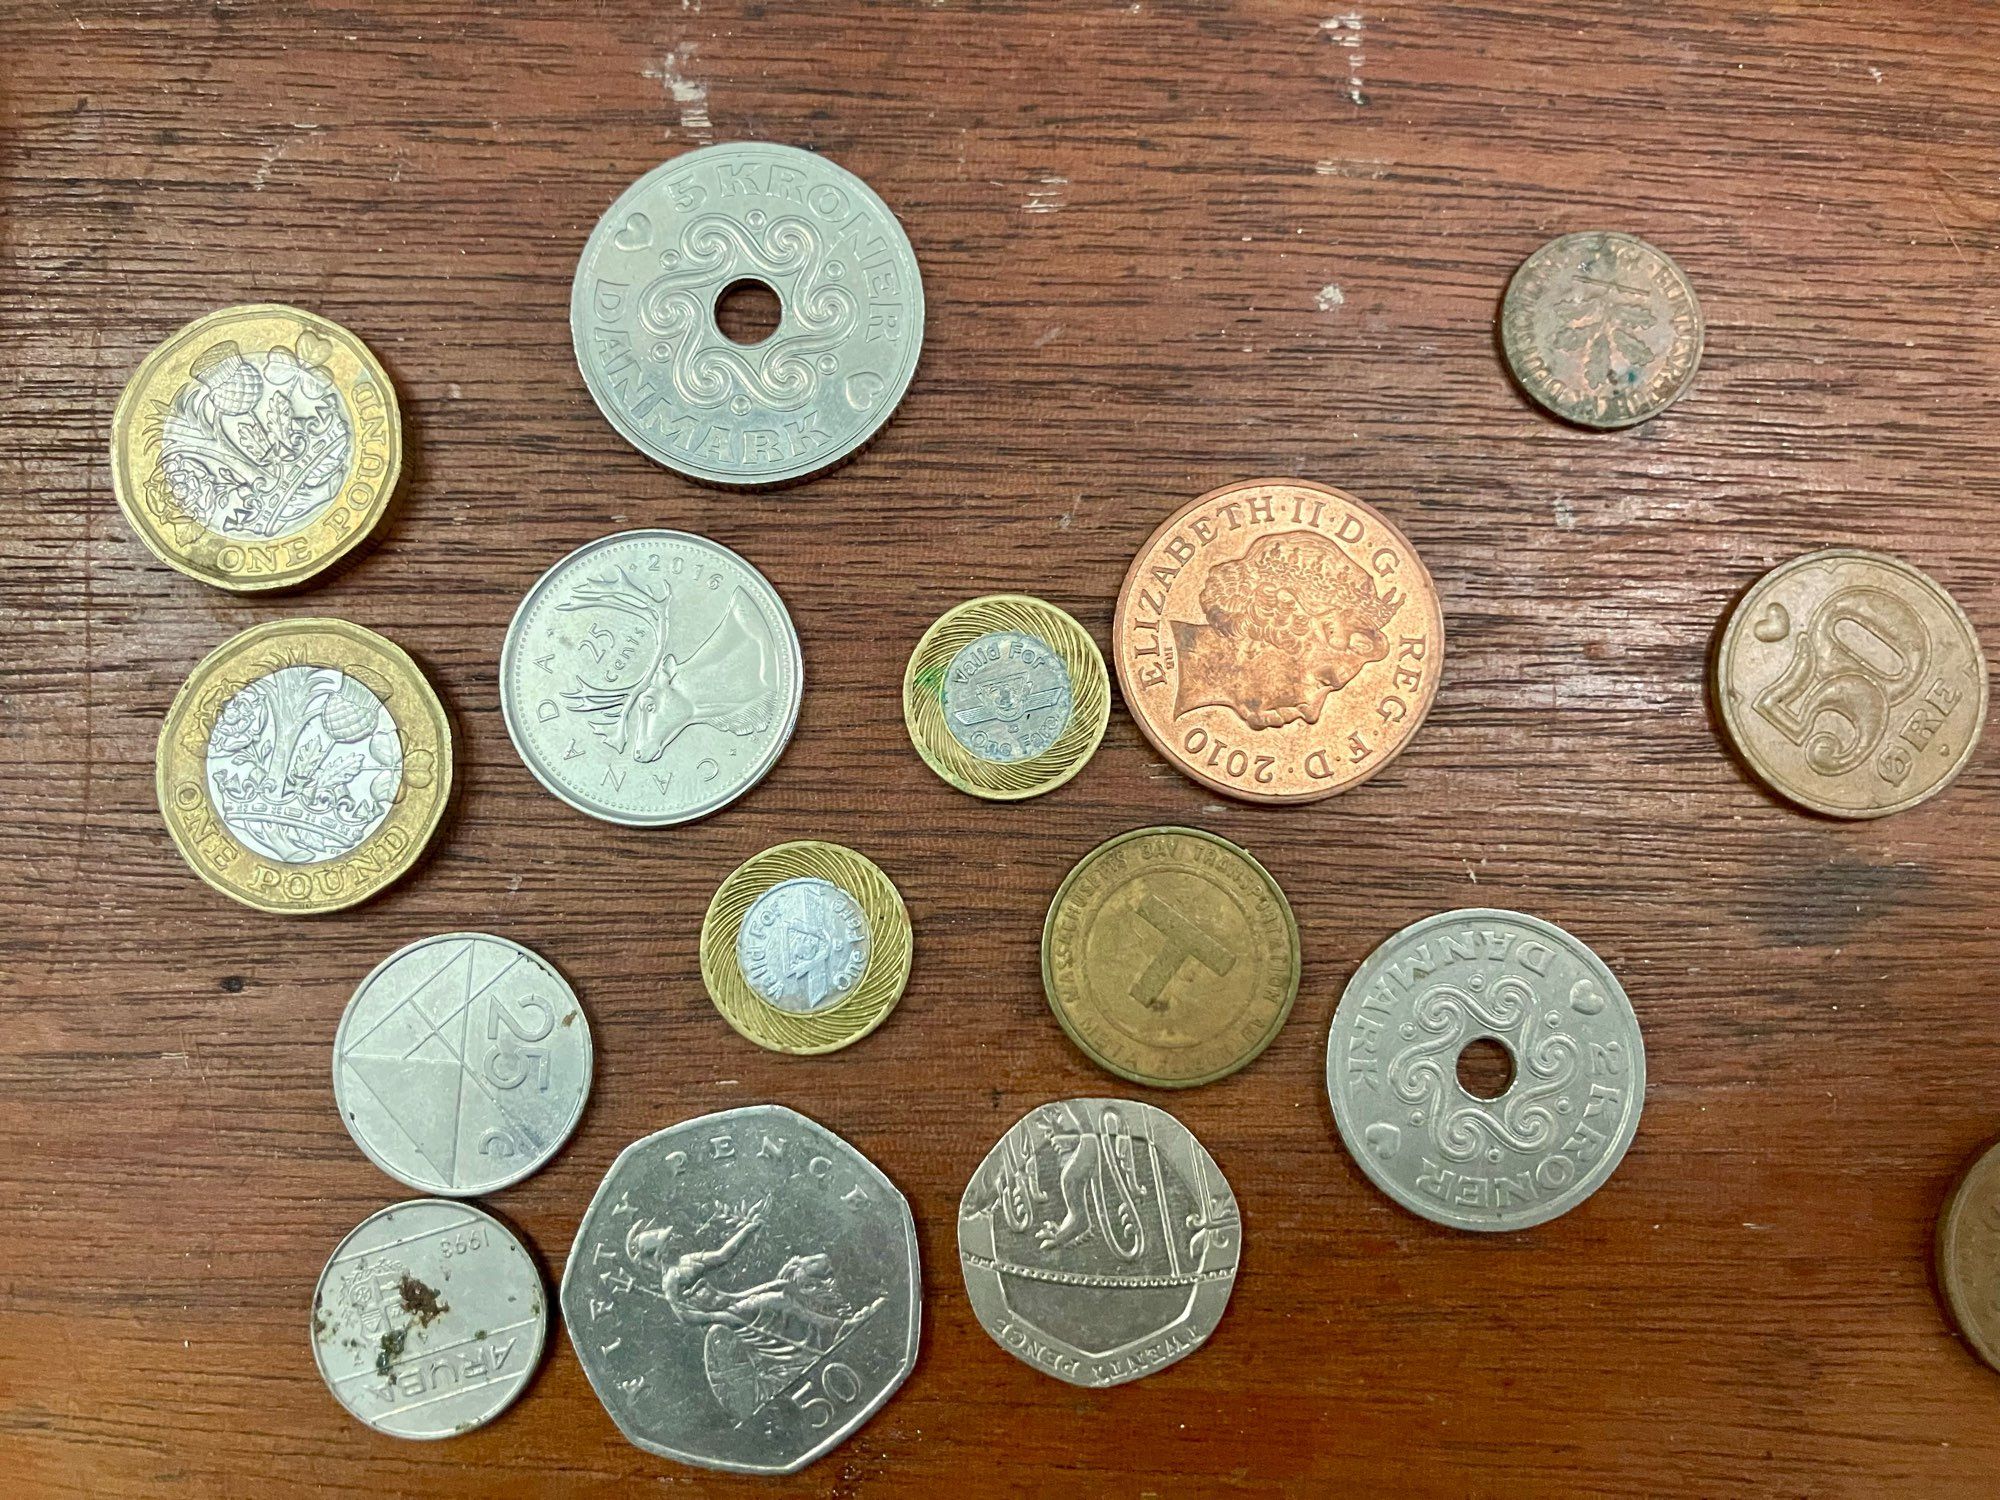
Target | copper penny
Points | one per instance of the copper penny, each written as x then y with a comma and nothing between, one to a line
1278,641
1851,684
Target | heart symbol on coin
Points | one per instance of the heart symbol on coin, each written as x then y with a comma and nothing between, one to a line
314,348
1383,1138
1774,624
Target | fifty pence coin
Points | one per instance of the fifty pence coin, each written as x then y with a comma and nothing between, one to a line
743,1292
1551,1135
429,1319
1099,1241
461,1063
303,766
650,678
806,947
851,314
1278,641
256,446
1968,1256
1851,683
1006,697
1601,329
1170,956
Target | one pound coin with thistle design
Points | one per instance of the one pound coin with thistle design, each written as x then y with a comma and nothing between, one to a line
256,447
1006,697
304,766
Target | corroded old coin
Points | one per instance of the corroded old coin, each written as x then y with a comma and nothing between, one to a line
744,1291
1170,956
1278,641
1473,1157
1851,683
1968,1256
429,1319
1099,1241
1006,696
303,766
256,446
676,243
462,1063
806,947
1602,329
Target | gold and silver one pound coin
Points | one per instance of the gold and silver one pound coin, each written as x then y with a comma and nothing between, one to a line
1006,697
304,766
1968,1256
256,447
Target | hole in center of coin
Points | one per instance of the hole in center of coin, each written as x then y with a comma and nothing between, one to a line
1485,1068
747,311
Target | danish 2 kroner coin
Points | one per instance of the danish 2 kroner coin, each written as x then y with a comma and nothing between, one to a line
851,321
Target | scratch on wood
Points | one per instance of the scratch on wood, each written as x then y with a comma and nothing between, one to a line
1330,296
688,93
1046,196
1344,31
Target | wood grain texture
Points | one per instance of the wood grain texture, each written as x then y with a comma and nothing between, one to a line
1128,217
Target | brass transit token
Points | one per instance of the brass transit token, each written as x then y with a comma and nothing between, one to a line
256,447
1278,641
806,947
1601,329
303,766
1170,956
1006,697
1851,683
1968,1256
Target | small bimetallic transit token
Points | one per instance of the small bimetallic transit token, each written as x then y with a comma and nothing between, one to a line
1968,1256
643,318
303,766
806,947
1278,641
1099,1241
650,678
1006,697
744,1291
256,446
1170,956
1601,329
429,1319
462,1063
1851,684
1471,1158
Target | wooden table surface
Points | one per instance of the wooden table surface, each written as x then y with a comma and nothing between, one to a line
1165,245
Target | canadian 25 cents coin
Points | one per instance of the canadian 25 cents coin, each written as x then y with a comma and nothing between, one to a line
806,947
1851,683
744,1292
650,678
303,765
851,314
1278,641
1479,978
429,1319
1170,956
1601,329
1006,697
1968,1256
462,1063
256,446
1099,1241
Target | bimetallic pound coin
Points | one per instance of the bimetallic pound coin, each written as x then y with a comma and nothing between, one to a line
743,1292
1278,641
429,1319
303,766
461,1064
1968,1256
1851,683
1601,329
642,314
1006,697
1099,1241
1482,979
256,447
1170,956
806,947
650,678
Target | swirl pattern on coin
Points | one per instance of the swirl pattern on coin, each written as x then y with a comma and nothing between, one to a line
1475,979
803,944
744,1292
851,320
